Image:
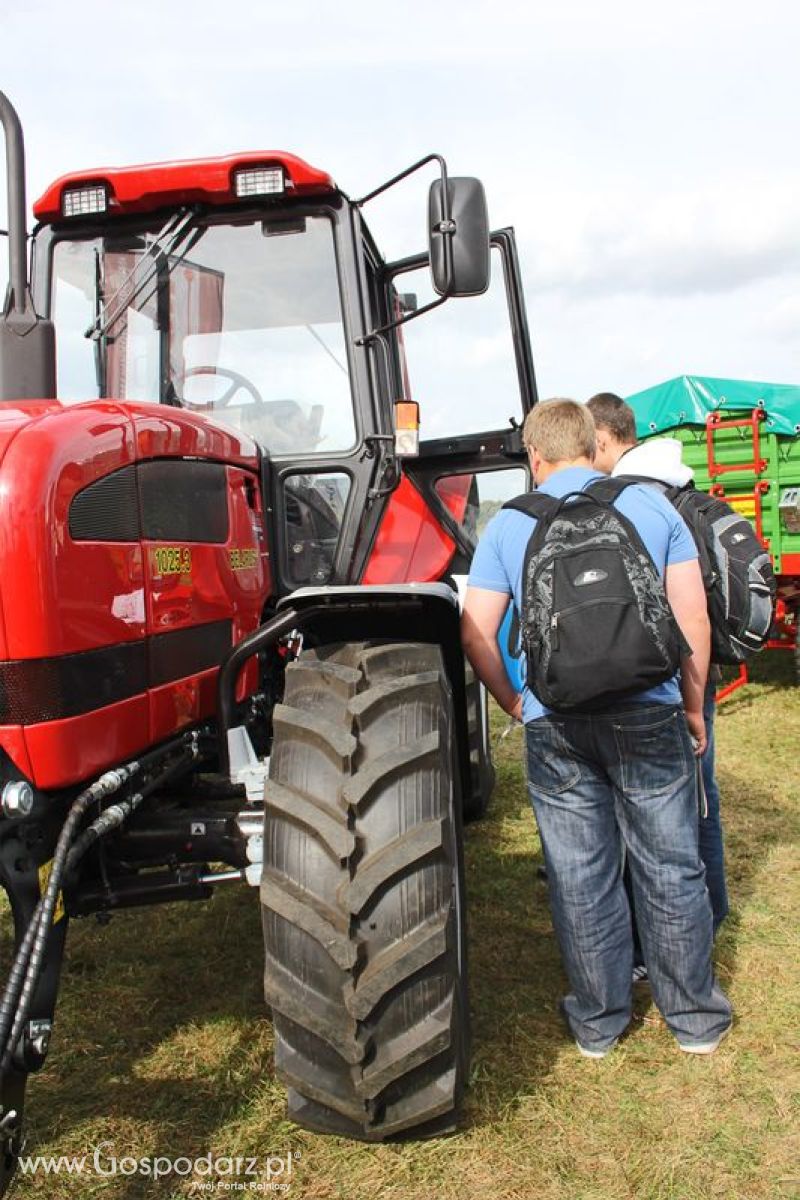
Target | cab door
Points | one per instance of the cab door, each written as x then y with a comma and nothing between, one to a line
470,368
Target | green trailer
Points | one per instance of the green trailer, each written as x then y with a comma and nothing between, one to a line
743,441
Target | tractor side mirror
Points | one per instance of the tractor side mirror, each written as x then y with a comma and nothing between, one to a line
459,243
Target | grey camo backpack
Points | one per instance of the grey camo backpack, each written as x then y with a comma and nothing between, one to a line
595,623
737,571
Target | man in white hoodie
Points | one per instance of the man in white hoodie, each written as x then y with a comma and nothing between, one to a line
619,453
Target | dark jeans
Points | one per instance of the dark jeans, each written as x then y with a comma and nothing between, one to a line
625,781
711,847
709,832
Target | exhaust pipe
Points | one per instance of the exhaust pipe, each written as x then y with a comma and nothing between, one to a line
27,343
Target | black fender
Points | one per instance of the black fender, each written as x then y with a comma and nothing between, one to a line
402,612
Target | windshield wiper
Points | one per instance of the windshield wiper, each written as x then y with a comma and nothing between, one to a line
162,246
99,350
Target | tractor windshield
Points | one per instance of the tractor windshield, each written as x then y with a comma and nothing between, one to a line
241,322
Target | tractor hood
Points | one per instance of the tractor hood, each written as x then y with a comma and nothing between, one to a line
15,416
133,557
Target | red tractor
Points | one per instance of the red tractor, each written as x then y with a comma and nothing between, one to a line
228,565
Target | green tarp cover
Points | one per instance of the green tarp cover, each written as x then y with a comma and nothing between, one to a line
689,399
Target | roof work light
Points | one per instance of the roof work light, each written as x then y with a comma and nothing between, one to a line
83,201
259,181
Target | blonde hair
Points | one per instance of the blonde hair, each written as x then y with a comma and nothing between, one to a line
560,430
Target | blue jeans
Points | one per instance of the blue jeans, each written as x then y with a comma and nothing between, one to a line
605,787
711,848
709,829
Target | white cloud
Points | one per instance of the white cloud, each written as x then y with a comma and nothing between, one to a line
681,243
486,350
780,319
644,155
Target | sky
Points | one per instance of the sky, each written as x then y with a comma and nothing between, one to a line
645,155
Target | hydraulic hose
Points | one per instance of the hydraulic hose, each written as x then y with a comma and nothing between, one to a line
116,814
104,786
115,817
24,974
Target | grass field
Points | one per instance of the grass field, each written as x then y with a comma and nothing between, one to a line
162,1046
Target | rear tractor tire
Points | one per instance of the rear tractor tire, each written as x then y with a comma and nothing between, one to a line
362,894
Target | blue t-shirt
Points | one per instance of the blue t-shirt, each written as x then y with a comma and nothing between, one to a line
499,558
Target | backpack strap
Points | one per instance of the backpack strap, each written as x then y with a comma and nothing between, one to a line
544,507
658,484
538,504
535,504
609,488
671,490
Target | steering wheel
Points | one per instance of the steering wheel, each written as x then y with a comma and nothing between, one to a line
237,382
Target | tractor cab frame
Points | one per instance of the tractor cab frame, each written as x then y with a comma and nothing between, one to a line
304,285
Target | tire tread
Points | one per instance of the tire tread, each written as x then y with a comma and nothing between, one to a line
364,949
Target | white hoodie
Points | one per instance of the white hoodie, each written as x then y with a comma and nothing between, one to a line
657,458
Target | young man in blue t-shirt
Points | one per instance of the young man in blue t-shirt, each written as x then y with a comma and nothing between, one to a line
622,776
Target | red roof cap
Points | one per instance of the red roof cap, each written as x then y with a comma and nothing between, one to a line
198,180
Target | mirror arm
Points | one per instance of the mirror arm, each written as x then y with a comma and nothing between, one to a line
447,227
423,162
378,333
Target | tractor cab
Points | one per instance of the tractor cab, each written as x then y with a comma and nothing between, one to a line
247,290
234,314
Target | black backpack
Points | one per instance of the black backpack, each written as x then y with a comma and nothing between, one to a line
595,624
737,571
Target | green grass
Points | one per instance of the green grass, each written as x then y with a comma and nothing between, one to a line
162,1045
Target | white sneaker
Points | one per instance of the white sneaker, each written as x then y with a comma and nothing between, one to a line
588,1053
703,1047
